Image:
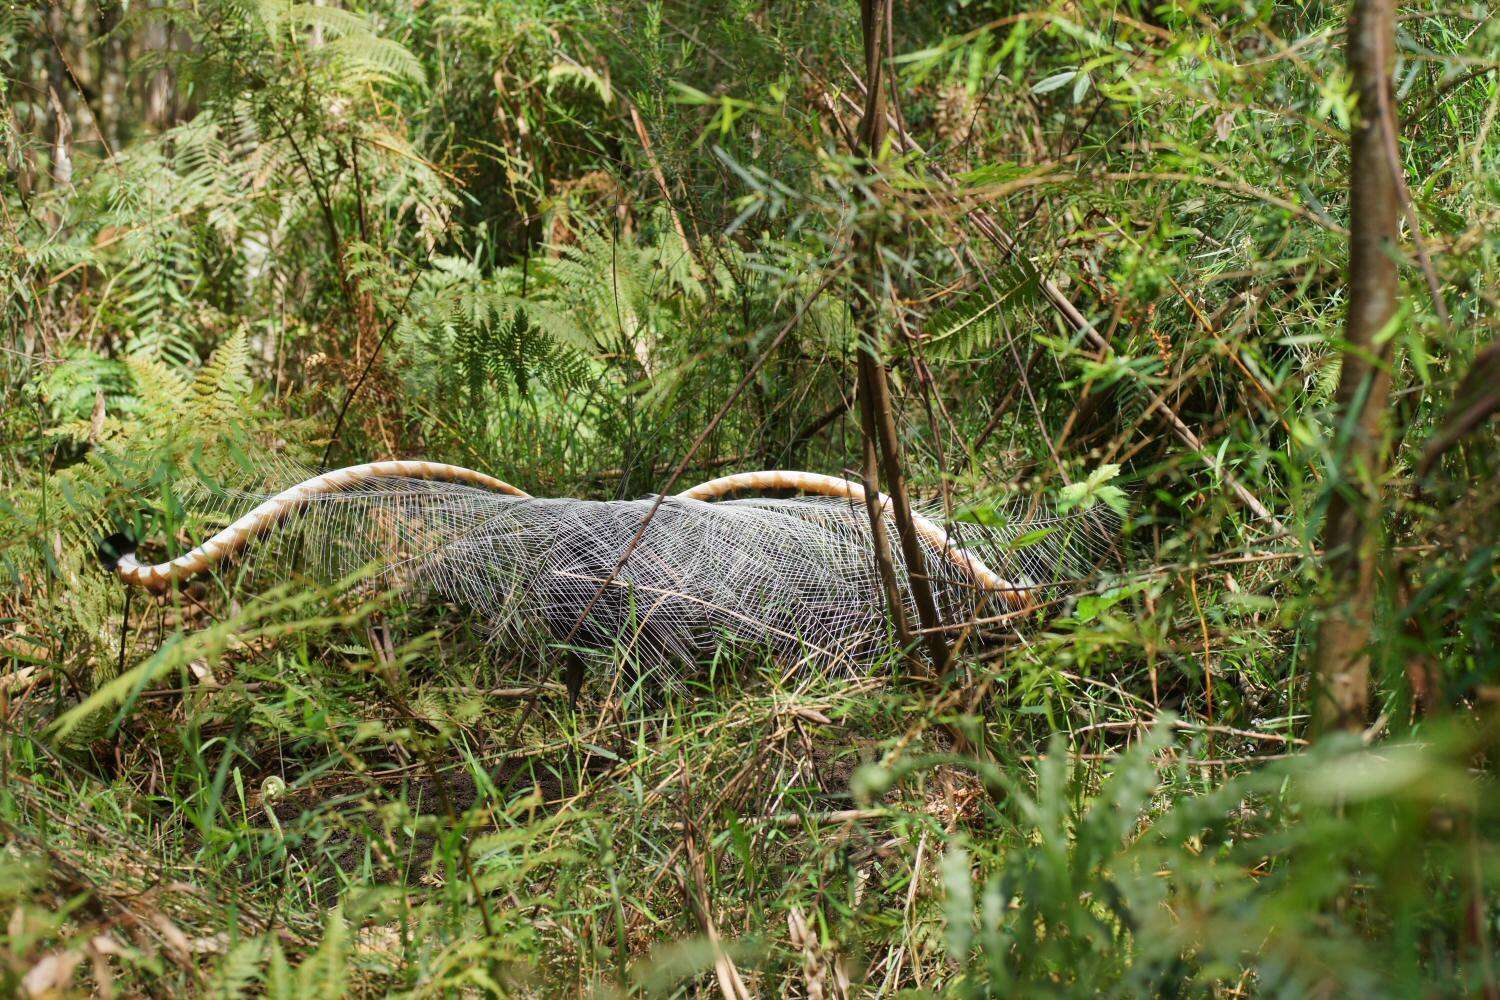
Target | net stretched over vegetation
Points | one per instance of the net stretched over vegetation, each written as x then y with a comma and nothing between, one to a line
662,580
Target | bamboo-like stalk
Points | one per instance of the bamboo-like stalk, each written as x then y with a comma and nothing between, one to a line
1352,530
876,413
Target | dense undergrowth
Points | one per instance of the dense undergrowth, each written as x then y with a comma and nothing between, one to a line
553,241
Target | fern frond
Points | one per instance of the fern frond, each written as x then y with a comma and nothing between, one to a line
221,384
163,391
238,969
371,59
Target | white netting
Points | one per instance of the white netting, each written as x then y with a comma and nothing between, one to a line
797,576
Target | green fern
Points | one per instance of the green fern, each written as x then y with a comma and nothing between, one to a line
237,971
149,438
356,54
219,391
979,326
487,340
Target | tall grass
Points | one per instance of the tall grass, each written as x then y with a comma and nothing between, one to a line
548,240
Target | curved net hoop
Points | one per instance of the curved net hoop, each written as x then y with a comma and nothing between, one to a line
795,576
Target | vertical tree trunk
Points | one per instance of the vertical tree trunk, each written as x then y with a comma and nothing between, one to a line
62,140
159,86
874,388
111,76
58,92
1352,531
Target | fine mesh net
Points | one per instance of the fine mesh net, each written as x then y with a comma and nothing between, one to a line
796,576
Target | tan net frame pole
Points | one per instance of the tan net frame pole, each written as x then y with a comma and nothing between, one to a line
833,486
236,536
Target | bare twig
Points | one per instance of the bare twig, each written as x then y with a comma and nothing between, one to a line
1391,136
695,887
661,183
1475,401
874,386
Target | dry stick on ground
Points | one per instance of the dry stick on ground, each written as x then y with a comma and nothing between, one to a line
874,386
1352,532
731,986
793,819
150,929
823,974
1182,725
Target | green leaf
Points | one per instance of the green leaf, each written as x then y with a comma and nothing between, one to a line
992,173
1084,495
958,900
1030,538
1080,87
1055,82
588,78
982,513
1091,606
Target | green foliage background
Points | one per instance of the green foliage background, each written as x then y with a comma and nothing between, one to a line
546,240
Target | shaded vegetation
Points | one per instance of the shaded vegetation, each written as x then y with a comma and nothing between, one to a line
1103,249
